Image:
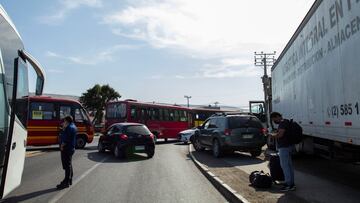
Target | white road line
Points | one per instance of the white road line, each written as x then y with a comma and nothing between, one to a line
59,195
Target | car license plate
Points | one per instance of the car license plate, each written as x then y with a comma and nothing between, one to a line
248,136
139,147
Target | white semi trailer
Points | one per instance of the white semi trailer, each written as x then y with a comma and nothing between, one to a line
316,79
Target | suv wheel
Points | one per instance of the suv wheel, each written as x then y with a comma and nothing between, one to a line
101,147
216,149
256,153
80,142
197,145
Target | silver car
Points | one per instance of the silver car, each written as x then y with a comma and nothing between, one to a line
186,135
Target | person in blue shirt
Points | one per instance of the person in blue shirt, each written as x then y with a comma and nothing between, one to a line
67,148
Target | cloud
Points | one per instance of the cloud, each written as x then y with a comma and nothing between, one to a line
55,71
96,58
206,28
66,6
227,31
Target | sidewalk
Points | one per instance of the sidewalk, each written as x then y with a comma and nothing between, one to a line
234,170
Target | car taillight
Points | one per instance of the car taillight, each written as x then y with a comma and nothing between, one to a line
264,131
152,136
227,132
123,137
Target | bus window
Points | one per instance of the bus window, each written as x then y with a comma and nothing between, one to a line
161,114
42,111
183,116
133,112
176,115
117,110
156,114
65,111
171,115
78,116
166,115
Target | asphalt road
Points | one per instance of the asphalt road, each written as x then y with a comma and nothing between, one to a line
170,176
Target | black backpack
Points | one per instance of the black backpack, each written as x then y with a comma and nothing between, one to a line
259,179
295,132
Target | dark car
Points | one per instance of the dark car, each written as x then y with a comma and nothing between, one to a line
229,133
125,138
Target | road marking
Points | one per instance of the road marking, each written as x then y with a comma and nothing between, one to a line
34,153
59,195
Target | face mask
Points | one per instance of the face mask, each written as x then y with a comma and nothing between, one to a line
277,122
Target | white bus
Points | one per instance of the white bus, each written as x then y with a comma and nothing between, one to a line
14,89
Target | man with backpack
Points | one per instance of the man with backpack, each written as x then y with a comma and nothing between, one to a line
285,147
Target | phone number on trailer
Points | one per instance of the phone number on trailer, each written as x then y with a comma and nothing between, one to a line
343,110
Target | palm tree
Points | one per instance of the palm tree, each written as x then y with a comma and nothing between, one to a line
95,99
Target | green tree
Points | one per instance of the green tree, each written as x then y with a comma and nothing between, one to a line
95,98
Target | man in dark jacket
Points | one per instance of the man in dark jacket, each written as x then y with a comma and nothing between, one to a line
67,147
285,148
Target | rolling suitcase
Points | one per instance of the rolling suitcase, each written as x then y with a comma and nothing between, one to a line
276,171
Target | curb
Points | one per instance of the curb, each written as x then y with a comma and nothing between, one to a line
230,194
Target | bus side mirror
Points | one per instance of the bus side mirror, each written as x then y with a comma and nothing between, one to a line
39,85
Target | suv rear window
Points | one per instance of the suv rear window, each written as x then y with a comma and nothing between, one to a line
244,122
138,129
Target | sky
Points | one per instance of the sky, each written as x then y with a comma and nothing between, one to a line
157,50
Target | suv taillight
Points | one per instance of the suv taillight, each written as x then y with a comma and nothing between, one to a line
264,131
123,137
227,132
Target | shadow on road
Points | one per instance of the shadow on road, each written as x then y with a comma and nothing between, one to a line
182,143
47,148
206,157
98,157
31,195
168,142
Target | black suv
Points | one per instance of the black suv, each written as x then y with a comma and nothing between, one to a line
229,133
125,138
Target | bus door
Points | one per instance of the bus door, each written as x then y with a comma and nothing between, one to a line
43,125
13,123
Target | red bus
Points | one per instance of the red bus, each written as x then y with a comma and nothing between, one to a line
45,117
164,121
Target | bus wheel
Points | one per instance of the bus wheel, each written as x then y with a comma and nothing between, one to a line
80,142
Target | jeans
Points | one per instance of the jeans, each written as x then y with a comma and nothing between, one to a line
66,159
286,164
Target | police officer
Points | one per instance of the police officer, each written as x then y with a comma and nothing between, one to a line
67,148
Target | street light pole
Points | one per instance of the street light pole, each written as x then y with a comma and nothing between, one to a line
264,60
187,98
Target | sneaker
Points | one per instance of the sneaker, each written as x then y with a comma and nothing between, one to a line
288,188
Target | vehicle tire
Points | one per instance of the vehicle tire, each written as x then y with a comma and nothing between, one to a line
255,153
166,139
197,145
216,149
101,147
192,139
150,152
186,142
80,142
119,153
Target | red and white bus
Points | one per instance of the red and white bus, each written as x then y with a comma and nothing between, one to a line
45,117
164,121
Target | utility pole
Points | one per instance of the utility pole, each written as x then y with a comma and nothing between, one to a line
187,98
265,60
